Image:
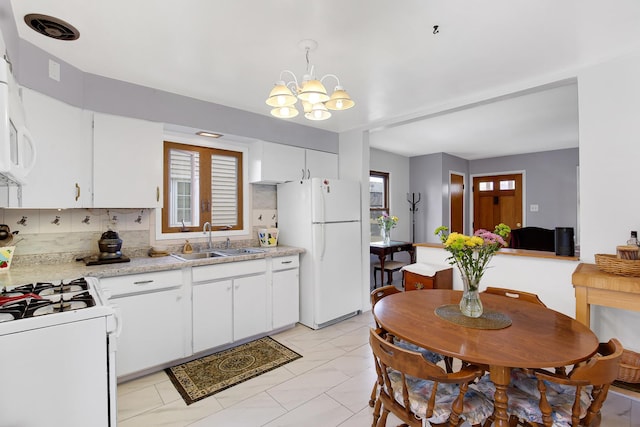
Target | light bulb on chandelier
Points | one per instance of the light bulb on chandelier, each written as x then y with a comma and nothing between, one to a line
312,93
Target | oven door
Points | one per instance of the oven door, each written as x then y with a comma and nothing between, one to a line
55,375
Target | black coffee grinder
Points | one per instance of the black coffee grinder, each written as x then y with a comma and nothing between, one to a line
110,245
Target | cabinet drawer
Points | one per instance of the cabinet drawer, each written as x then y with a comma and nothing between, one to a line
413,281
285,262
145,282
442,279
229,269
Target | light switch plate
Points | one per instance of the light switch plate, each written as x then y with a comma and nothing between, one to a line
54,70
533,208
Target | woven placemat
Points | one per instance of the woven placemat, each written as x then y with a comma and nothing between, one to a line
489,320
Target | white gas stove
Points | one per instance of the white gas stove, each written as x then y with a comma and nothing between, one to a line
57,345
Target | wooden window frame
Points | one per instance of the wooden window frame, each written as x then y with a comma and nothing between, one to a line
374,213
205,187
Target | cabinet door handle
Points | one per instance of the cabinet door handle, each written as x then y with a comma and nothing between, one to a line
308,174
77,191
157,194
286,262
302,173
142,282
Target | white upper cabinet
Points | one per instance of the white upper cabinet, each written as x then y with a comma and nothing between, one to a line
275,163
128,160
61,177
320,164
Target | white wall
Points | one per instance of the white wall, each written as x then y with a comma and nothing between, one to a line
353,155
550,279
609,108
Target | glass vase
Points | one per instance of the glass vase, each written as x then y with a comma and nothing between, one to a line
386,235
470,304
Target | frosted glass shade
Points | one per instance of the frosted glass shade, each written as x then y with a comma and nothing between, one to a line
340,100
318,112
313,92
286,112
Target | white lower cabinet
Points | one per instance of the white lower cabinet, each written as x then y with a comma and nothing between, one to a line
285,291
150,308
212,314
232,301
229,303
249,306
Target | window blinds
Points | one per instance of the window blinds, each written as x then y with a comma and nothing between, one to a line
224,190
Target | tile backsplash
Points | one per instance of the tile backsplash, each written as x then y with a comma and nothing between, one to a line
62,235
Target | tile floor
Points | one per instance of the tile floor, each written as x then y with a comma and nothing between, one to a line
329,386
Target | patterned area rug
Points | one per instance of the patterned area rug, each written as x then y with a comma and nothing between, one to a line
208,375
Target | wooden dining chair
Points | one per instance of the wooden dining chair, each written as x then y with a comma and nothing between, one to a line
522,296
512,293
574,399
377,295
415,389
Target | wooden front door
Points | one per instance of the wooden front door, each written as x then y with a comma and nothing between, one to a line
456,202
497,199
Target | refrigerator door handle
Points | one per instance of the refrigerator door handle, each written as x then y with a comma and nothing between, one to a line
324,240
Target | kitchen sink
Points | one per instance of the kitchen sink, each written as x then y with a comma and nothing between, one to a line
197,255
218,253
238,251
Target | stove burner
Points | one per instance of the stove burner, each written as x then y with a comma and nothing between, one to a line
47,288
45,298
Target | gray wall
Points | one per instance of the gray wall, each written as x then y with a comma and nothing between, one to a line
398,168
551,183
426,179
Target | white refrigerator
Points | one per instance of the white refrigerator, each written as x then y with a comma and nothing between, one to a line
322,216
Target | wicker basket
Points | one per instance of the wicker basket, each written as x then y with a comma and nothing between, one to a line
629,370
623,267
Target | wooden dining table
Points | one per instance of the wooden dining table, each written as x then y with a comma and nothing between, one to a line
537,337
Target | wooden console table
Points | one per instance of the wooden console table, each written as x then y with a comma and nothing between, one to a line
594,286
382,250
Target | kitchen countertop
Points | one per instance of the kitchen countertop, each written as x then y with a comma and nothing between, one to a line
18,275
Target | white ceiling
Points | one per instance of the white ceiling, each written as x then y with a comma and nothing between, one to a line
401,75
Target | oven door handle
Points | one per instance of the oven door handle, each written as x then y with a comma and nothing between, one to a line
117,314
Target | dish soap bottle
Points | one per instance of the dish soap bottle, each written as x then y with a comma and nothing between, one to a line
633,240
187,249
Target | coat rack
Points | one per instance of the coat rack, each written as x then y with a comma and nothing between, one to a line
413,209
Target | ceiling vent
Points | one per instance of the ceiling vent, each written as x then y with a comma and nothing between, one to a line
51,27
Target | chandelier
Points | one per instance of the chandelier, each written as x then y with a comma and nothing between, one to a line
311,93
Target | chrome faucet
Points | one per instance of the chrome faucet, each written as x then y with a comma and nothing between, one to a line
204,230
228,243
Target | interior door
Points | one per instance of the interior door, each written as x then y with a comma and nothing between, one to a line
497,199
456,201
